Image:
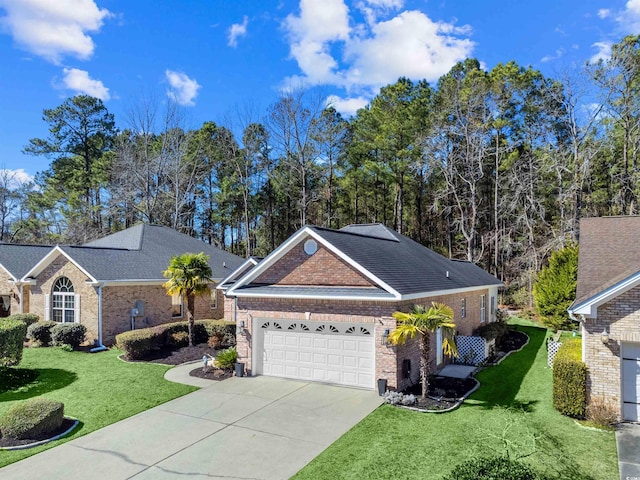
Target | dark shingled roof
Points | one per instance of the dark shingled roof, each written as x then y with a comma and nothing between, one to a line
316,290
609,253
19,259
143,252
404,265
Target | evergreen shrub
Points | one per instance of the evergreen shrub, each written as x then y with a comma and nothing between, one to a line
570,380
12,334
32,418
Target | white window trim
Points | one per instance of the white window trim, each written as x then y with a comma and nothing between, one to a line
181,304
463,308
483,308
51,309
213,299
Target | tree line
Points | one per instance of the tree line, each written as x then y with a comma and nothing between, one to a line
495,167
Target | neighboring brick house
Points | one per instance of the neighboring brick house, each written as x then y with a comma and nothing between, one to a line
109,285
320,306
607,305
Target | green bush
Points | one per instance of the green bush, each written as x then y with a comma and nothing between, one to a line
570,380
209,328
491,468
32,418
177,339
12,333
226,358
555,288
137,344
68,334
41,332
494,330
28,318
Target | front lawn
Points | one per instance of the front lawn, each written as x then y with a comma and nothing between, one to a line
510,413
98,389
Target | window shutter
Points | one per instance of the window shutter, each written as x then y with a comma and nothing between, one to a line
47,307
76,304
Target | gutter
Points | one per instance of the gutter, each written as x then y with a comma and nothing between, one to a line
100,346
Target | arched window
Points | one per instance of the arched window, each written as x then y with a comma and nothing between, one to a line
64,301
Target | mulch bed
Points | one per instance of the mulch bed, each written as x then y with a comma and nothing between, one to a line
8,442
444,392
179,355
211,373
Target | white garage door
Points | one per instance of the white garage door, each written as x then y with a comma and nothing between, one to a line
324,352
631,381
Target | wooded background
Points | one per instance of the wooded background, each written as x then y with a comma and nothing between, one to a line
493,167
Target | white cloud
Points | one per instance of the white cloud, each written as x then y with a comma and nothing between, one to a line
237,30
80,82
15,178
547,58
53,29
347,106
372,54
604,13
603,53
629,17
184,90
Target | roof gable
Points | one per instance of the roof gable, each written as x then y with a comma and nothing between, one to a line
608,259
17,259
389,260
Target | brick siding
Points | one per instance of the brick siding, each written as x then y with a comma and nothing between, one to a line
621,318
8,288
321,268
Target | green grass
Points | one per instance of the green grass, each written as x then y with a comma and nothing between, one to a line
511,413
98,389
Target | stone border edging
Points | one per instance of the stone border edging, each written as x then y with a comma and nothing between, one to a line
42,442
458,402
122,359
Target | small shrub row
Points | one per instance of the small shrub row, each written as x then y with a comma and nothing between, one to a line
32,418
398,398
27,318
137,344
570,380
495,330
12,333
68,334
491,468
41,332
54,333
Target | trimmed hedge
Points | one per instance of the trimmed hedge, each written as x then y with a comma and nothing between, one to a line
495,330
12,333
31,419
570,380
491,468
68,334
41,332
177,339
28,318
137,344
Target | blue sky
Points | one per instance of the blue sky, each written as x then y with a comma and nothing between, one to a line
214,57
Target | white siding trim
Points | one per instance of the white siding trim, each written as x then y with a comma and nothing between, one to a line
47,307
76,308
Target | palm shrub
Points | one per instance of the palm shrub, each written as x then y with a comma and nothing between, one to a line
32,418
188,275
570,380
12,333
555,288
226,358
424,323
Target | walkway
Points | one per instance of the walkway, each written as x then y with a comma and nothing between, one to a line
628,441
240,428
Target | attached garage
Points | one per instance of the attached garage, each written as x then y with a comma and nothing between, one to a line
631,381
332,352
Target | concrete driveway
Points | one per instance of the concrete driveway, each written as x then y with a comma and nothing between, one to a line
628,442
240,428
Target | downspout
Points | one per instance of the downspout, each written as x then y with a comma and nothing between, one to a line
21,307
583,332
100,346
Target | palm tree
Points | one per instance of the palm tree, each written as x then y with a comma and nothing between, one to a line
425,322
189,275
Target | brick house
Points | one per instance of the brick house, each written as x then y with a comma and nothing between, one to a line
320,306
109,285
607,305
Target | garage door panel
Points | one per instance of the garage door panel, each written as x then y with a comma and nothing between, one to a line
325,357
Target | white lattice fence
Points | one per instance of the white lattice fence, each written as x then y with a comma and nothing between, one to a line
471,350
553,348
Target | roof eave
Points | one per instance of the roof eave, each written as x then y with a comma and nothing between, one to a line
589,306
